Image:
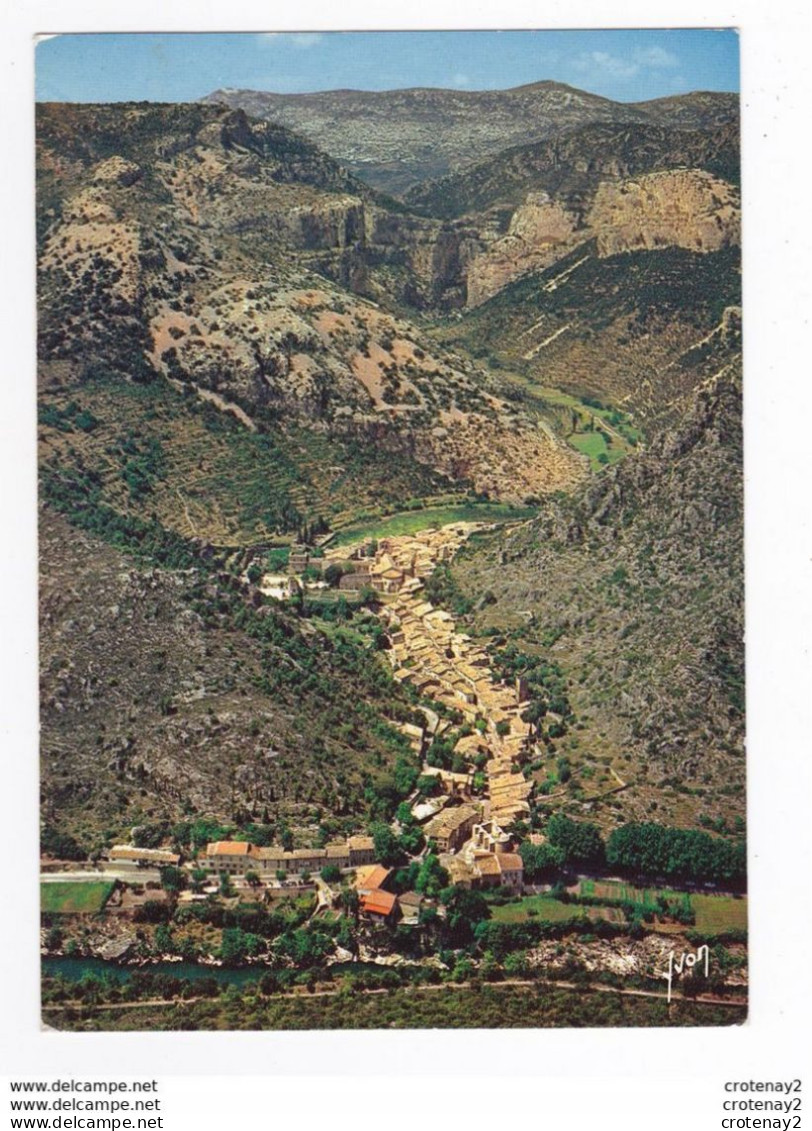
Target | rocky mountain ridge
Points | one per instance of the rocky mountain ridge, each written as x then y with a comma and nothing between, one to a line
189,253
397,139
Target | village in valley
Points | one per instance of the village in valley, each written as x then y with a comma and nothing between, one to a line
390,548
462,861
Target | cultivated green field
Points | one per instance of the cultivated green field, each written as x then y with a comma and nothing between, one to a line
540,907
593,444
715,914
66,898
718,913
409,522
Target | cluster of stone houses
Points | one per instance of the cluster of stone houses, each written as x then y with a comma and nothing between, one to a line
486,860
452,827
237,857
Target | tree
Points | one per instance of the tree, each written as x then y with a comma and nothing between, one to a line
464,910
198,879
428,785
541,861
253,879
54,938
650,849
350,902
237,945
173,879
432,877
579,841
149,836
405,777
534,714
515,964
411,840
404,815
331,874
164,942
387,849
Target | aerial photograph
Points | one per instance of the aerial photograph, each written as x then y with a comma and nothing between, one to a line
391,579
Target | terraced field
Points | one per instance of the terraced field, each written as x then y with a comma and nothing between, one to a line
716,914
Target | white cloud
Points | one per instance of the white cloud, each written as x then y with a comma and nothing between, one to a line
607,64
299,39
624,66
656,57
461,79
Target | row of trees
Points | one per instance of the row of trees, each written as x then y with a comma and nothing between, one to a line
686,854
638,849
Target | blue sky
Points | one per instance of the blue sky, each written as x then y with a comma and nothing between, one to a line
624,65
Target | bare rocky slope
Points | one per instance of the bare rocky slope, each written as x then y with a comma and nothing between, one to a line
181,242
397,139
571,165
639,330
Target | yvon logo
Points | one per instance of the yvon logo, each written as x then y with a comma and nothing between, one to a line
687,960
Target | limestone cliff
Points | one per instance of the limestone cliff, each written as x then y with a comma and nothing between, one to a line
687,208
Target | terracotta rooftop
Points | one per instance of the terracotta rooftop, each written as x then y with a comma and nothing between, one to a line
229,848
378,902
372,876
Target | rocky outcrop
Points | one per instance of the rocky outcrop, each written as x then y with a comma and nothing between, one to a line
117,170
678,208
687,208
540,232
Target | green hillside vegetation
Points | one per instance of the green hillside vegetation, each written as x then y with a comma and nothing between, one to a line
207,704
492,1007
632,586
151,452
632,321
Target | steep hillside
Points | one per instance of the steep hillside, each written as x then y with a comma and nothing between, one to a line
164,693
633,586
638,330
188,256
397,139
685,208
